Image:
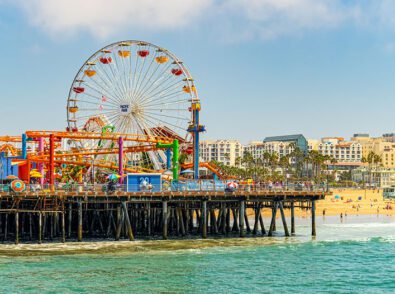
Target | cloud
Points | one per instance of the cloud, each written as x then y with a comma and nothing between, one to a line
234,20
103,18
272,18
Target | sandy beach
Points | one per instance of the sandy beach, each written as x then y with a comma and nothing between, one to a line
348,202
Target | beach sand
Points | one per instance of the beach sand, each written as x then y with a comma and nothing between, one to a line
346,202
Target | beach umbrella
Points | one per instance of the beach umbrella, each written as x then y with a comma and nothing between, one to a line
35,174
112,177
11,177
18,186
232,185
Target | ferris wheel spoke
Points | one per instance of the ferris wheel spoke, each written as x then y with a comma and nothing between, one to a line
132,127
168,116
87,102
96,101
145,127
104,91
133,79
162,91
129,77
159,82
120,88
159,76
169,103
139,86
97,67
86,109
165,122
148,81
119,74
91,115
114,77
167,94
125,126
124,80
135,74
166,109
107,83
163,99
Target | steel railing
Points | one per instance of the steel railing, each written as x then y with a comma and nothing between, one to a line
189,185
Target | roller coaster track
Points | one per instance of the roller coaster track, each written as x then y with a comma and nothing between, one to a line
13,139
210,166
100,136
9,148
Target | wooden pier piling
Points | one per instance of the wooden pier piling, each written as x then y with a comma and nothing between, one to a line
313,232
17,227
292,217
204,219
79,220
164,220
286,232
241,218
70,217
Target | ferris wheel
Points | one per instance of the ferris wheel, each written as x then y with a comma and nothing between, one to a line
134,87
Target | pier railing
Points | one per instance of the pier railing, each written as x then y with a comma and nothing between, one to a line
192,185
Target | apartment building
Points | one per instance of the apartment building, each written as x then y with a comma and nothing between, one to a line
337,148
383,146
224,151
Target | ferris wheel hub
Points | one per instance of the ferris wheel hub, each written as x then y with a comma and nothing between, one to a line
125,108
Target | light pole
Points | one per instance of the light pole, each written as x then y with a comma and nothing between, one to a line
93,171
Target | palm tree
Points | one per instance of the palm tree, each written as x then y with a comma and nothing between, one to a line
247,160
298,157
373,160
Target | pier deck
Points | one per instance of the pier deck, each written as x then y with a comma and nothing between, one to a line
74,215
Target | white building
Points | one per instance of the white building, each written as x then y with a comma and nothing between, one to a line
255,148
258,149
378,176
224,151
340,150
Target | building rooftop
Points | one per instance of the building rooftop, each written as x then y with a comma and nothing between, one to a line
284,138
361,135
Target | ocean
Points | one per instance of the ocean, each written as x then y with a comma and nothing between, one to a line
354,255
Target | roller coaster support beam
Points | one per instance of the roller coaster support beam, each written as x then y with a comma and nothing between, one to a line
41,165
24,146
51,161
120,159
195,129
176,153
196,136
168,158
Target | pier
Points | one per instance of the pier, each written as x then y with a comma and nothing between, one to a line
60,216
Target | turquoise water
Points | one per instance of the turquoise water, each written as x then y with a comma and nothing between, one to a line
354,256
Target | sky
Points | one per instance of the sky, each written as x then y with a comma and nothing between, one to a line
261,67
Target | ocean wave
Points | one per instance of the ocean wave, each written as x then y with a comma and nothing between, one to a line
361,225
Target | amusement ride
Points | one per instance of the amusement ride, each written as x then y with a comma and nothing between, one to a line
133,107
